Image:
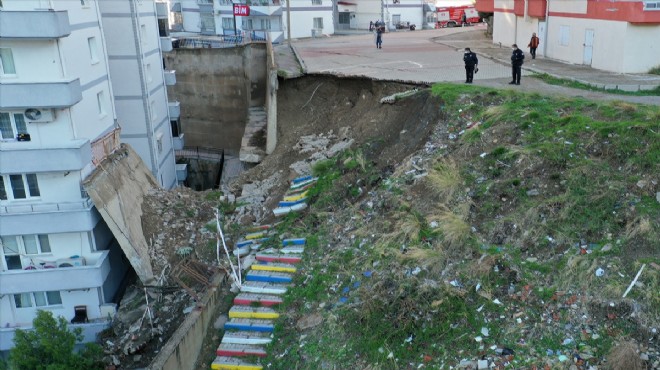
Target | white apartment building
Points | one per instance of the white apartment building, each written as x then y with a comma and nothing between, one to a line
309,18
68,86
357,14
616,36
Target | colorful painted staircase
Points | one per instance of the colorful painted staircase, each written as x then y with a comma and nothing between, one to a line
251,319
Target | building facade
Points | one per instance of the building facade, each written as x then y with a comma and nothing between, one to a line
308,18
65,96
616,36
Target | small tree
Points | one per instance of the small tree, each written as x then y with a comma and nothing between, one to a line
50,346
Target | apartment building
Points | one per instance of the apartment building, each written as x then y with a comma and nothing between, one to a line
74,77
616,36
309,18
357,14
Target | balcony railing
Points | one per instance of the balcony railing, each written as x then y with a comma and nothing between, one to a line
30,156
54,94
90,331
34,24
83,204
105,145
63,278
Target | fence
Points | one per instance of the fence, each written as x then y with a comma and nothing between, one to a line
222,41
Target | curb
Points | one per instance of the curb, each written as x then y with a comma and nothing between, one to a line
299,59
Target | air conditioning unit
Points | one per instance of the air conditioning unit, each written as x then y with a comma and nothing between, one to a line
39,115
70,262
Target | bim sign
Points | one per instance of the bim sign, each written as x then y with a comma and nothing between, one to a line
241,10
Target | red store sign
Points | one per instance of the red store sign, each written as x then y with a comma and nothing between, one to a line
241,10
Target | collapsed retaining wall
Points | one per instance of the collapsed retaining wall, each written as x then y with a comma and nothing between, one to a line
182,350
215,88
117,187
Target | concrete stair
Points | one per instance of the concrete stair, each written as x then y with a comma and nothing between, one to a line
268,277
278,257
247,312
246,337
247,299
273,266
253,144
265,326
238,350
231,363
263,288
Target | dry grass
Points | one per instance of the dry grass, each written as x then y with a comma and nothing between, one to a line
623,107
624,356
639,227
444,179
410,226
454,228
494,113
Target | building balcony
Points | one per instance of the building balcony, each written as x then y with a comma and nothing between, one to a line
28,157
24,218
166,44
90,331
56,94
175,109
91,275
170,77
178,142
181,172
34,24
161,10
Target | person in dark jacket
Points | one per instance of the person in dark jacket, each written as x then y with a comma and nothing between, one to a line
517,58
471,63
380,29
533,44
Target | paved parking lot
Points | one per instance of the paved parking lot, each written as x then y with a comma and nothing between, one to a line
406,56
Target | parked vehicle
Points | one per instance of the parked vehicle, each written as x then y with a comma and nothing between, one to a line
405,26
452,16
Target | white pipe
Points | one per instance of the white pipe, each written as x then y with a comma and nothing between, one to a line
634,281
545,31
237,277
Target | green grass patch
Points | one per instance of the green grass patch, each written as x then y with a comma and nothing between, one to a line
551,80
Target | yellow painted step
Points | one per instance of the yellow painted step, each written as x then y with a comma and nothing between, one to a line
247,312
230,363
279,267
293,198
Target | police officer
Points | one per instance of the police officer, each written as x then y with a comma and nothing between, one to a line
517,58
471,63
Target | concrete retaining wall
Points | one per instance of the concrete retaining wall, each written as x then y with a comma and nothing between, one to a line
182,350
215,88
117,187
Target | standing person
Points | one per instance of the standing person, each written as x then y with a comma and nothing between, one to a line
517,58
533,44
380,28
464,19
371,25
471,63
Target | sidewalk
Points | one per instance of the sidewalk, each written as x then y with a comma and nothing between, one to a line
481,44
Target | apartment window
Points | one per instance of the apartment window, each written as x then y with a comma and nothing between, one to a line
247,24
20,187
143,33
265,24
7,66
12,124
159,143
318,23
93,50
564,35
651,5
152,107
3,192
38,299
148,72
15,246
227,23
100,97
12,252
317,2
83,2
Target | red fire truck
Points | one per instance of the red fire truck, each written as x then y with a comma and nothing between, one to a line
452,16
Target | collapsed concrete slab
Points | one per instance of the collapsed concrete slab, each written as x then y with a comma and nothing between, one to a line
117,187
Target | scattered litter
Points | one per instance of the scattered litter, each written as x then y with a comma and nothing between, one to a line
483,155
634,281
476,289
600,272
562,358
390,356
478,339
497,301
367,273
480,308
410,338
484,331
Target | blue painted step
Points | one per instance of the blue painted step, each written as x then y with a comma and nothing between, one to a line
250,325
301,179
291,203
293,241
268,277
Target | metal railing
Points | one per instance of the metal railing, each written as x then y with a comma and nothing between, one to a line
46,207
223,41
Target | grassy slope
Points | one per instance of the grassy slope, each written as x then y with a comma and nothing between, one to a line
556,174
